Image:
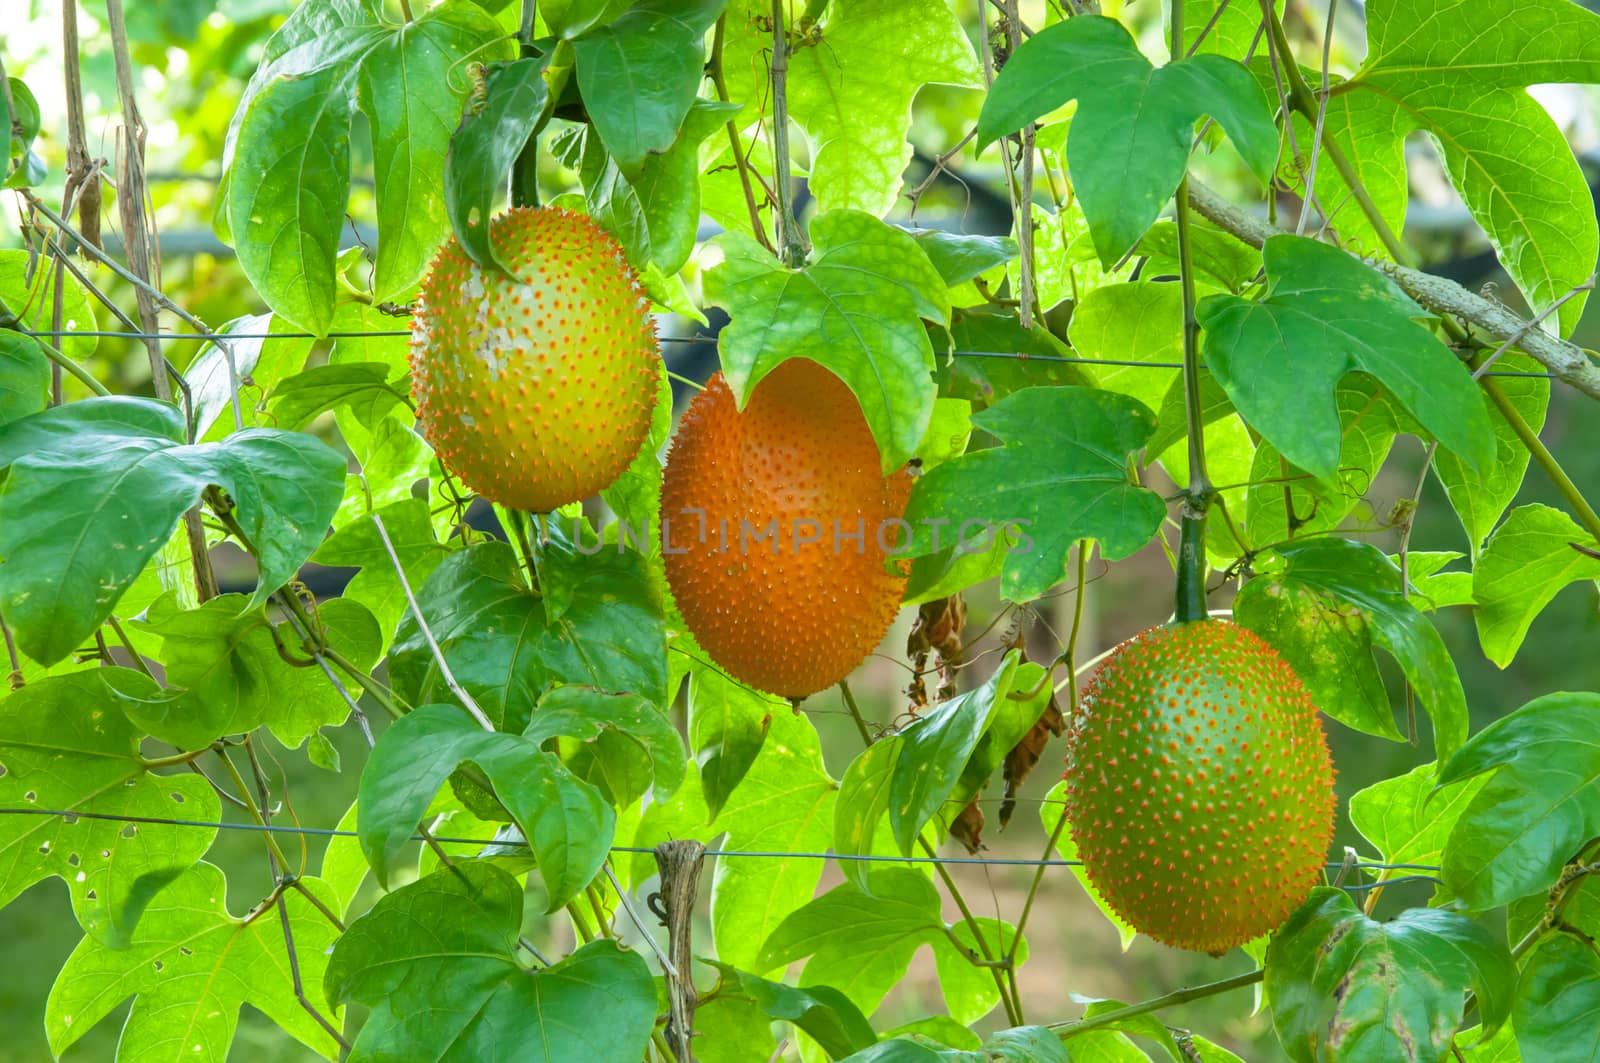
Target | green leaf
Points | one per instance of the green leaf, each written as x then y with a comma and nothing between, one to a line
823,1013
1481,499
64,745
856,309
935,750
1220,261
1345,987
20,124
1061,476
1523,566
287,155
1557,1016
1368,424
589,715
983,381
1130,138
655,213
1408,818
969,990
784,804
1539,807
225,675
410,89
859,943
436,961
1027,1044
289,180
1331,603
495,126
1427,69
95,489
362,386
1501,1048
505,650
864,795
1051,812
24,376
1137,322
1229,32
33,303
190,966
1326,314
638,75
728,724
376,585
565,821
959,257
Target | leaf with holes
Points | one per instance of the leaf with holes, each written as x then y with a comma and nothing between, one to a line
1345,987
94,490
437,962
1326,314
1333,601
1130,138
190,966
65,745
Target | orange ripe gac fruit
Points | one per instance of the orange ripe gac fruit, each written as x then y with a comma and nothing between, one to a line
783,579
536,388
1199,785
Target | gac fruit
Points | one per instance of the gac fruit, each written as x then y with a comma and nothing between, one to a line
777,526
535,388
1199,785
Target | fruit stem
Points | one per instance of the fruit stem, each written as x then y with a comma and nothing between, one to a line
1191,588
791,246
1065,1030
525,171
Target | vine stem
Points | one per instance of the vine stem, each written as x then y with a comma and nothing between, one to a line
855,713
1542,456
740,163
1065,1030
1013,1012
1068,656
791,245
251,807
1190,603
525,169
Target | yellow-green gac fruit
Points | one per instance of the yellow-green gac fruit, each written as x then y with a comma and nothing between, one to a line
1199,785
535,388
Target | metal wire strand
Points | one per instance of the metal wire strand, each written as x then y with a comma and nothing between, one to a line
329,832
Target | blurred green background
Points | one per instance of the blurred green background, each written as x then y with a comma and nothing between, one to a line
195,56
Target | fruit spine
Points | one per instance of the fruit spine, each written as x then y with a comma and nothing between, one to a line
777,521
1200,787
536,387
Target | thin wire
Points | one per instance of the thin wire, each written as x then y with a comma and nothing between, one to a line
1016,356
329,832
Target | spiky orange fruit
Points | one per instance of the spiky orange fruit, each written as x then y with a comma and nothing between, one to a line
535,388
1199,785
777,522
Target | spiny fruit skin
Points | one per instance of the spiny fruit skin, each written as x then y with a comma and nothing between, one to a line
1199,785
536,391
798,618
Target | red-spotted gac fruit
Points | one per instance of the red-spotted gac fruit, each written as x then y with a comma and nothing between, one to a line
535,388
1199,785
771,530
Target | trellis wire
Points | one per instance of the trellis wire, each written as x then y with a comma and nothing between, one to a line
333,832
1016,356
